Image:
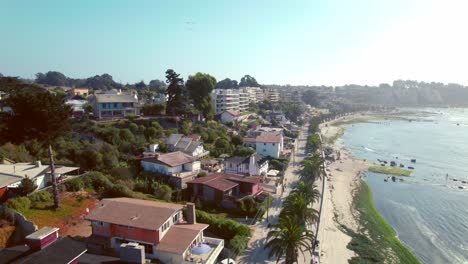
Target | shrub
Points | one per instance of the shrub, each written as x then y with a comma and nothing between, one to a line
27,186
118,190
75,185
97,181
202,174
19,204
238,244
40,197
8,214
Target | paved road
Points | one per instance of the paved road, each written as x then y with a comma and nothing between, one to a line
255,252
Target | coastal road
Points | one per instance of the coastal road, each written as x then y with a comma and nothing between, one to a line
255,252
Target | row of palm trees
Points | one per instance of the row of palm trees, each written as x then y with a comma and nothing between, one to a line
290,236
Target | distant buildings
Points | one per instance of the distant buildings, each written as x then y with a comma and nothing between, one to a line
154,229
114,104
177,166
78,91
77,106
271,95
249,165
226,99
239,99
266,143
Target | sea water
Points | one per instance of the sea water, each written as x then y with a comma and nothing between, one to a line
427,210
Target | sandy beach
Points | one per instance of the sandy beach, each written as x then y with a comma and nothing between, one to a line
343,179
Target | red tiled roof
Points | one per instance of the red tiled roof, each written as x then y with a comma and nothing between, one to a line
133,212
180,237
172,159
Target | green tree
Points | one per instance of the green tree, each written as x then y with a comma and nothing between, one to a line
297,205
175,91
186,127
308,190
310,168
248,81
47,118
200,87
288,238
27,186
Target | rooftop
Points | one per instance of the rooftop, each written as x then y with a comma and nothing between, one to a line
115,98
64,250
172,159
232,112
31,170
180,237
133,212
43,232
223,181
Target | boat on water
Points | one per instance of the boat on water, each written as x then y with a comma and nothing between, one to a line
461,187
463,181
385,180
385,162
402,166
393,178
393,163
454,179
411,168
413,160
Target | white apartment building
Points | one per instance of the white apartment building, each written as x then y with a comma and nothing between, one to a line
230,99
255,94
271,95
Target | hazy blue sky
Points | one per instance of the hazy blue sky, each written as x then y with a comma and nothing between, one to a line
277,41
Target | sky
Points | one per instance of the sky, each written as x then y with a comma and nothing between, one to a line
297,42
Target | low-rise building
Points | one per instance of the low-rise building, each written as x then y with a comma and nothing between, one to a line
229,116
78,91
221,187
177,166
115,104
77,106
254,164
271,95
38,173
158,227
266,143
190,145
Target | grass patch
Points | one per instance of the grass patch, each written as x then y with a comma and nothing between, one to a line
379,244
390,170
43,214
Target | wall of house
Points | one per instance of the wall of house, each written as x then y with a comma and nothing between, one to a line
256,188
160,168
268,149
170,221
100,228
192,166
208,193
125,232
167,257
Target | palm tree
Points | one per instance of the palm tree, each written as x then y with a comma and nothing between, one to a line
308,190
311,168
288,238
296,204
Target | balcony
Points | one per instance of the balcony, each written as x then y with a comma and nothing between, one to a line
214,247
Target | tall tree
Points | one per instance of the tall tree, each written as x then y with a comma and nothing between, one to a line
175,92
248,81
288,238
38,114
308,190
297,204
200,87
311,168
227,84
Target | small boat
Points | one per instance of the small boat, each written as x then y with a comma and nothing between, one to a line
385,180
392,163
401,180
411,168
413,160
461,187
463,181
454,179
458,124
393,178
402,166
385,162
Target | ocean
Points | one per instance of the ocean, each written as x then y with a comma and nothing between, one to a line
427,210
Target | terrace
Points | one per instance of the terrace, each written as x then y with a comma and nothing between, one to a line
206,252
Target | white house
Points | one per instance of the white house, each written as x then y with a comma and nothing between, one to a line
190,145
38,173
229,116
266,144
177,166
249,165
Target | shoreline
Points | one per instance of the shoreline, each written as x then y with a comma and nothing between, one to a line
352,229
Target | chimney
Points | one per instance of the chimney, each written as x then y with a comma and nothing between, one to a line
191,217
38,163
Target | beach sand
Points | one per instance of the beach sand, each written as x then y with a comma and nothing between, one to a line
343,179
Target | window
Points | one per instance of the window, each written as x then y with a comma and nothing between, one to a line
148,248
175,218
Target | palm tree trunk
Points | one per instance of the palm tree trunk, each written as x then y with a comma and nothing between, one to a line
54,180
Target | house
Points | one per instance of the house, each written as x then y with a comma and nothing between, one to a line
114,104
77,106
78,91
190,145
158,227
221,187
212,165
254,164
177,166
278,116
266,143
37,172
229,116
44,247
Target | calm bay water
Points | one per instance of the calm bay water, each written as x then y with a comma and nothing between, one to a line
428,212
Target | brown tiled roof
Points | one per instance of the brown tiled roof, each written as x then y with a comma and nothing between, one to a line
133,212
268,138
180,237
172,159
194,137
232,112
223,181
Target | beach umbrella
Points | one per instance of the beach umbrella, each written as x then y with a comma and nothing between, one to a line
201,249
